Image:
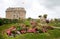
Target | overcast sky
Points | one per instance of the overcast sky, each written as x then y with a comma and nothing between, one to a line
34,8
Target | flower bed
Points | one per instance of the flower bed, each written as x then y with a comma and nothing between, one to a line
22,29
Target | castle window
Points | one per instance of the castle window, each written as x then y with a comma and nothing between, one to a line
14,16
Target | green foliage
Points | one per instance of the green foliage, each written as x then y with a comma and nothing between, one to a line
40,31
54,23
40,16
15,21
8,21
1,36
1,21
45,15
29,18
54,33
21,20
27,22
50,34
19,28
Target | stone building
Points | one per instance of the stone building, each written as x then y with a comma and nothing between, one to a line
15,13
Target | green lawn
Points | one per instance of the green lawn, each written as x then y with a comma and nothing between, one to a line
57,24
51,34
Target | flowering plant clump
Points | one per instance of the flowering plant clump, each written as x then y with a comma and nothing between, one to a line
45,28
27,27
12,31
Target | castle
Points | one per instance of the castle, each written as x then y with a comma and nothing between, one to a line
15,13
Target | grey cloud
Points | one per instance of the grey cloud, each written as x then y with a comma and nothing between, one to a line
19,3
52,3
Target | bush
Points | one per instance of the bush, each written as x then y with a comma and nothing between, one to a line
8,21
14,20
40,31
19,28
27,23
1,21
47,21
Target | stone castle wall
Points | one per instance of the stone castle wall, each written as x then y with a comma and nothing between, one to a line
15,13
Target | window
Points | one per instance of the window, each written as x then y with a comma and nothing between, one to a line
14,16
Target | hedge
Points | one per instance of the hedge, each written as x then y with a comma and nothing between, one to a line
7,21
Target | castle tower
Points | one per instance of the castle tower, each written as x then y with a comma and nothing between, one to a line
15,13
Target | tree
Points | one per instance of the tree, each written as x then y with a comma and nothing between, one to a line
45,16
56,19
40,16
29,18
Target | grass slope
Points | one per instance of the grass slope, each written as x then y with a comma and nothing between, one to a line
51,34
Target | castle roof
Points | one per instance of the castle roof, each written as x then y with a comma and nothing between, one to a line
15,9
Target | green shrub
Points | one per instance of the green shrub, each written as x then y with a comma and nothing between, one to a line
1,21
40,31
19,28
27,23
8,21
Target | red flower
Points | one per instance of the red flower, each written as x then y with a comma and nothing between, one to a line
23,31
8,32
32,30
29,30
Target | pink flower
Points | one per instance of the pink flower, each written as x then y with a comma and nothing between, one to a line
29,30
8,32
32,30
13,28
23,31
